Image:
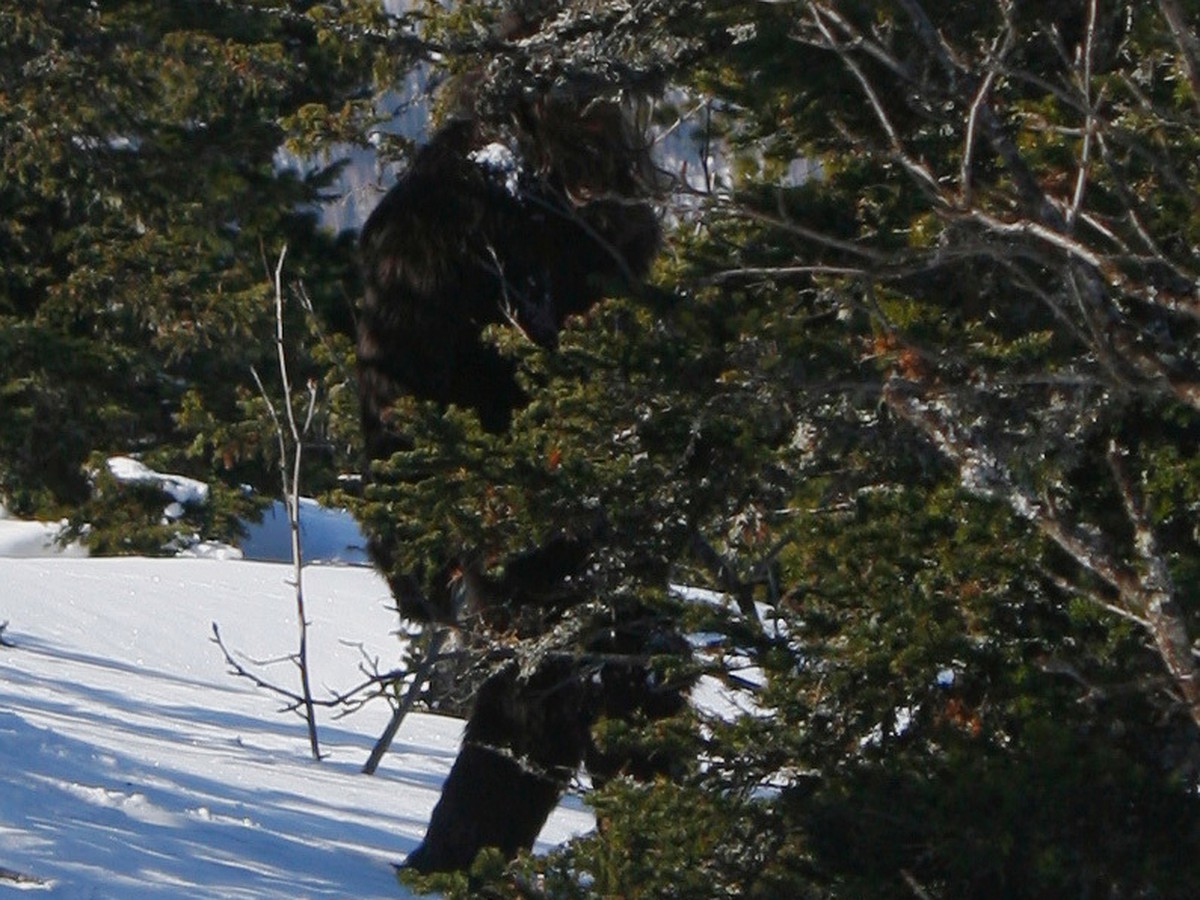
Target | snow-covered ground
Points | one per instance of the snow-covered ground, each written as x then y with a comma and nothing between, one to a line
26,539
136,766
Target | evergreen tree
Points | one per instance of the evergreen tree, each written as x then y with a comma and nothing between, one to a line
145,199
924,391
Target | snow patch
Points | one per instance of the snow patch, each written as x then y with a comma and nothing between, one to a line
500,160
211,550
178,487
35,539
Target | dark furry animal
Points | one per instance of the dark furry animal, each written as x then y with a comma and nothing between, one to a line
523,742
527,736
479,233
528,225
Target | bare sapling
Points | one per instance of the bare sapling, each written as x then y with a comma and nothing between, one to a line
291,433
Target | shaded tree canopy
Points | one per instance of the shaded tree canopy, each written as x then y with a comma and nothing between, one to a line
922,413
144,192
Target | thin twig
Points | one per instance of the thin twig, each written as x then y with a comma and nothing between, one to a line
915,886
420,676
920,172
375,685
1089,50
778,272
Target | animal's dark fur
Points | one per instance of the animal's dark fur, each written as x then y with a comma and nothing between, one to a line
458,244
527,736
522,744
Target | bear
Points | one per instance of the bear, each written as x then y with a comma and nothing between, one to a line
524,223
474,234
528,735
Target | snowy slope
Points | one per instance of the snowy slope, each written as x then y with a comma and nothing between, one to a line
25,539
135,766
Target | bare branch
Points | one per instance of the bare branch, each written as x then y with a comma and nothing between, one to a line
1068,587
1157,593
801,231
1036,229
375,685
419,676
294,700
919,890
778,272
1085,86
919,171
968,159
932,39
1149,594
